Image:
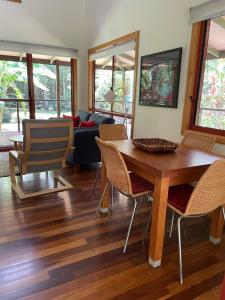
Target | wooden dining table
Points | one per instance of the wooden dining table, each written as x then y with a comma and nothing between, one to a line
184,165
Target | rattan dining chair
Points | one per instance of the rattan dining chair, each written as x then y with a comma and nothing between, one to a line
129,184
191,202
109,132
200,141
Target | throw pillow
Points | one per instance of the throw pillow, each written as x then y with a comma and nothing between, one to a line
87,124
75,119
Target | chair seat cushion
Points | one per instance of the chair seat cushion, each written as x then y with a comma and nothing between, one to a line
140,185
179,196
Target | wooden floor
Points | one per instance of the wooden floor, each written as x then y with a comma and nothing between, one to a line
51,247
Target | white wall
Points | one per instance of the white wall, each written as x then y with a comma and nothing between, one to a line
164,25
48,22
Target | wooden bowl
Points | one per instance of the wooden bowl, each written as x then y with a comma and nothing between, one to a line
154,145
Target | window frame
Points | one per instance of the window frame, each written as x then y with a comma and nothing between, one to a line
91,77
196,67
29,60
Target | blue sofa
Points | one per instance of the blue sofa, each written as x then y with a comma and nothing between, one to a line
86,150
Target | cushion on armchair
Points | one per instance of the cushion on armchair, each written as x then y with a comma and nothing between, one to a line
75,119
84,115
101,119
87,124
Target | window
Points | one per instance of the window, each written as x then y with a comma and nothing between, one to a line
14,104
204,108
45,91
112,67
103,83
65,90
51,84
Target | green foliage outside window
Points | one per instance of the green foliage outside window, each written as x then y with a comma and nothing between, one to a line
212,105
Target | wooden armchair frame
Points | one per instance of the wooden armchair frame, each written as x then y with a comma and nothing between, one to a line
23,157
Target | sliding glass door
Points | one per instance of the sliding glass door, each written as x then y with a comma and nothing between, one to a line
51,82
14,103
103,82
45,87
65,105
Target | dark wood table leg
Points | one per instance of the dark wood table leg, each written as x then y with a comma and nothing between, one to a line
216,229
159,208
105,204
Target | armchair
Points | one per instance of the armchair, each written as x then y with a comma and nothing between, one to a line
46,145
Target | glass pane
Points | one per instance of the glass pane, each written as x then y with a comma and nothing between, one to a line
211,104
44,81
65,108
23,112
123,82
104,105
65,82
103,82
8,116
212,118
13,80
45,109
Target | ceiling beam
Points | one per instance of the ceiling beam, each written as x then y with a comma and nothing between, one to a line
214,52
17,1
128,57
125,60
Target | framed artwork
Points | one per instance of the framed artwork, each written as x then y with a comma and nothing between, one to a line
160,76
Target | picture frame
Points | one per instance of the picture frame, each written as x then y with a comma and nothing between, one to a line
159,79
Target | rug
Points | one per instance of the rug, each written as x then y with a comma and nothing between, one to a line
4,164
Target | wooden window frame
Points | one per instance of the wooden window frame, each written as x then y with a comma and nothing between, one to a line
91,75
17,1
197,55
30,85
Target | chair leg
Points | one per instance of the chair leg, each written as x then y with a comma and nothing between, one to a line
112,197
147,227
140,202
130,225
56,177
95,183
180,250
171,225
223,213
149,198
100,202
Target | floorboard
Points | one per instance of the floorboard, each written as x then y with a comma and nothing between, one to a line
51,247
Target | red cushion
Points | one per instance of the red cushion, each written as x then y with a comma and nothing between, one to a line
75,119
179,196
140,185
87,124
